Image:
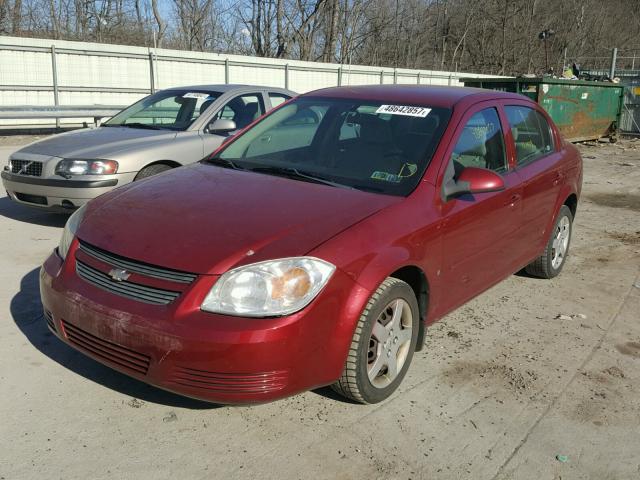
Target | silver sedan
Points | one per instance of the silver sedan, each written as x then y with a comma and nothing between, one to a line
165,130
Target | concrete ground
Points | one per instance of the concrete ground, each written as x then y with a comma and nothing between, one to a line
506,388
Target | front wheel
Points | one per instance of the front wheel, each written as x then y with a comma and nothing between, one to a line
550,263
152,170
383,344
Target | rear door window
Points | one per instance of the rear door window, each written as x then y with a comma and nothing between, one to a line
531,133
481,143
277,98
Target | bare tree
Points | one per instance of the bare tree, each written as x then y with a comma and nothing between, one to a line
160,24
486,36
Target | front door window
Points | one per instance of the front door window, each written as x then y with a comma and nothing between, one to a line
481,143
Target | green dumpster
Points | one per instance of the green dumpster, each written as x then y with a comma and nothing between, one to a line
581,110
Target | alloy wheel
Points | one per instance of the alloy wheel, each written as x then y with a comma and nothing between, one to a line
389,343
560,242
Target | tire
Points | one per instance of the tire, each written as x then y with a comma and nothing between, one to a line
152,170
367,352
549,265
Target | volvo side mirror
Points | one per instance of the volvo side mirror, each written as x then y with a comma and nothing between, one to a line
222,126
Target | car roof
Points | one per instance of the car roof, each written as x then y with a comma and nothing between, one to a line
226,87
428,95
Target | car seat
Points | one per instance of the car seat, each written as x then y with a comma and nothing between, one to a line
415,134
246,114
470,151
524,148
206,104
374,150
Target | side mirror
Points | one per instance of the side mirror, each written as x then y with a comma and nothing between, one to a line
222,126
473,180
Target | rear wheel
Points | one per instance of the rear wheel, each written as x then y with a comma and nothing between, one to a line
550,263
152,170
383,344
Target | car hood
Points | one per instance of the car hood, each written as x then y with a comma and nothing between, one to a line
207,219
102,142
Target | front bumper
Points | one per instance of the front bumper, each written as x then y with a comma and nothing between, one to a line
59,193
217,358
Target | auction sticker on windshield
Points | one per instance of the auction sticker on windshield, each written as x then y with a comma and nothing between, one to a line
196,95
406,110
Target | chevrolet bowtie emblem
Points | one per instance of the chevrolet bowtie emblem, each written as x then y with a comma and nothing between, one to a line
119,275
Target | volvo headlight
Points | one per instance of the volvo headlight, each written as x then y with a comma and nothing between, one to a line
69,166
268,289
70,229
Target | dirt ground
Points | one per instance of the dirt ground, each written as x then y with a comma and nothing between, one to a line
535,379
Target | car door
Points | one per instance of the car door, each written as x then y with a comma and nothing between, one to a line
242,109
538,164
478,230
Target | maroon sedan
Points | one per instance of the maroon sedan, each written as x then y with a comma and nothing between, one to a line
315,248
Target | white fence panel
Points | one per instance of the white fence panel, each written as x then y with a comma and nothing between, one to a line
101,71
25,68
270,75
102,74
171,73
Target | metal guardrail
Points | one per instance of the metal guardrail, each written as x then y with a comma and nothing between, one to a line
97,112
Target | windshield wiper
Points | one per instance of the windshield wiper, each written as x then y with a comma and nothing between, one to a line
222,162
292,172
140,125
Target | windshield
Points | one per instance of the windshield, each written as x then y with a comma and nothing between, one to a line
168,109
353,143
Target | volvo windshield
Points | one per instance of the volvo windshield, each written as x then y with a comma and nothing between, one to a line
167,109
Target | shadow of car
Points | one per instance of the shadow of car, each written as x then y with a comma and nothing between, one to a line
18,212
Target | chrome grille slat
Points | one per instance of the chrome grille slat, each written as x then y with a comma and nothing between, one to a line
107,351
131,290
31,168
136,267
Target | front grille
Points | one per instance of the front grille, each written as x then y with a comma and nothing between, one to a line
106,351
37,199
26,167
135,266
230,383
135,291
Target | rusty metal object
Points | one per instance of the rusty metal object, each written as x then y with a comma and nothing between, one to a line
581,110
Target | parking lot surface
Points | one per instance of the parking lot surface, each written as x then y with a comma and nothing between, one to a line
535,379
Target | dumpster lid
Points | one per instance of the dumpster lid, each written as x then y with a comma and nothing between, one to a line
539,80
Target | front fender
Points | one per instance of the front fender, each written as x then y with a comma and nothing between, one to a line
183,150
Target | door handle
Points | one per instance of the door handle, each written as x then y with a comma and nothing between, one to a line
557,179
513,200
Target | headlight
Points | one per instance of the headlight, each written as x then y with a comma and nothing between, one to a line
271,288
70,166
70,229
